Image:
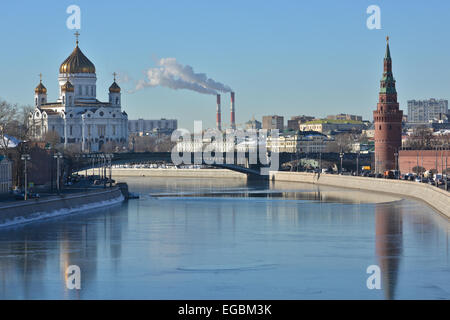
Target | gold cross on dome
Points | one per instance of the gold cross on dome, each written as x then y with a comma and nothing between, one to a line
114,74
387,39
77,34
40,76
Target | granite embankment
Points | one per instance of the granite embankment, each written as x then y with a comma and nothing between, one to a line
434,197
18,212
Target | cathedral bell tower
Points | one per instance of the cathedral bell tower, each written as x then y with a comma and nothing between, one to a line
387,119
67,94
40,94
114,93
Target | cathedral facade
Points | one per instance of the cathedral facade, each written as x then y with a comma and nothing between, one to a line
77,116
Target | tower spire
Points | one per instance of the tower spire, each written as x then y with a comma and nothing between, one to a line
40,77
388,52
77,34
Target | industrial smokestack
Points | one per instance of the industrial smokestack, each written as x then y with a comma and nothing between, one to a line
218,114
233,123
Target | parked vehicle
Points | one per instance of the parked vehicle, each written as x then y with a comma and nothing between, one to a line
30,195
389,174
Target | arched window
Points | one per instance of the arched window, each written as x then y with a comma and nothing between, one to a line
36,101
117,100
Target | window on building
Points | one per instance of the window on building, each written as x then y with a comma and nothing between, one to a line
101,129
70,130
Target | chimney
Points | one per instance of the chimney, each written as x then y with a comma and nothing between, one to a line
218,114
233,123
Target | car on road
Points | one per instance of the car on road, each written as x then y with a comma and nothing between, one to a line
30,195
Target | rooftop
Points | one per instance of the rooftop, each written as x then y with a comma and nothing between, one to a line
322,121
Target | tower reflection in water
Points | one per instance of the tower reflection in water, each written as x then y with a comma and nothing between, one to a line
388,244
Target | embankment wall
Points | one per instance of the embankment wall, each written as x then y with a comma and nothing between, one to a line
37,209
434,197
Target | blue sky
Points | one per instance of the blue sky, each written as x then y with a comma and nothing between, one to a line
280,57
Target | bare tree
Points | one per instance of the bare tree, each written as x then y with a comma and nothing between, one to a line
52,138
8,116
164,144
342,143
422,138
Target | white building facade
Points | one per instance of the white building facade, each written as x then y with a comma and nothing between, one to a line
77,116
145,127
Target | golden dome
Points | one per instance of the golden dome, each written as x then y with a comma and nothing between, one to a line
77,62
40,89
114,88
67,87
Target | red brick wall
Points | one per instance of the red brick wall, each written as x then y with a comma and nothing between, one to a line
408,159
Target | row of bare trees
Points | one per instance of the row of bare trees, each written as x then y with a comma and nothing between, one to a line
151,144
344,142
13,124
422,138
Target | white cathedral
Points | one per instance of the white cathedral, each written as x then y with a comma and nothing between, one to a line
77,116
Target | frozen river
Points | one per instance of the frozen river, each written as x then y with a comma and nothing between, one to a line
226,239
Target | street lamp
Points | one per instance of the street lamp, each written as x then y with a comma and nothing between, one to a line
57,156
84,156
25,158
357,163
341,155
396,165
102,162
109,157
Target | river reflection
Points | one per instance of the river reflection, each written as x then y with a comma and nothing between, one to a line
224,239
388,226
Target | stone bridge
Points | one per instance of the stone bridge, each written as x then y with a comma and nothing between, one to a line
240,161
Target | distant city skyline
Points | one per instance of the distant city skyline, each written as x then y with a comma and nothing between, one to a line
294,58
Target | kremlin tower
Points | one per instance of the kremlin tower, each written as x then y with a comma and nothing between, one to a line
387,119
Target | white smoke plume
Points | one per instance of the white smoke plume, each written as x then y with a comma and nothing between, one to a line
174,75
